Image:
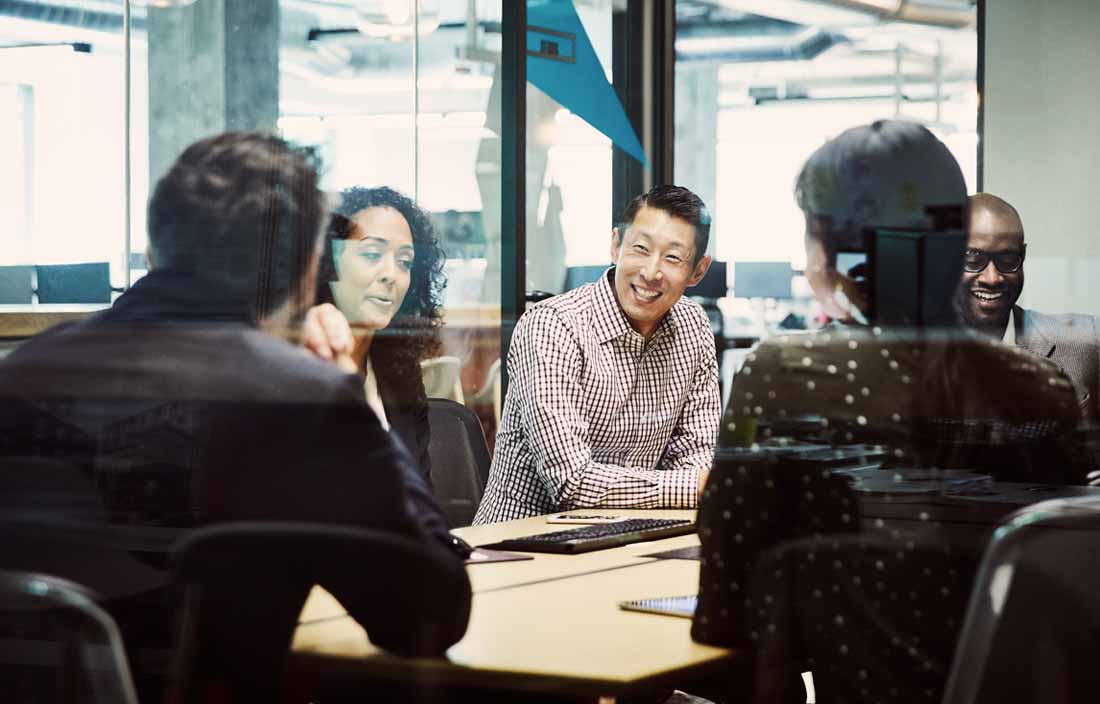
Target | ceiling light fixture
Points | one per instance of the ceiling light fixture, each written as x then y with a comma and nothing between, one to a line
396,20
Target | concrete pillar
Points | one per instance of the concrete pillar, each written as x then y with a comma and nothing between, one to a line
213,66
696,162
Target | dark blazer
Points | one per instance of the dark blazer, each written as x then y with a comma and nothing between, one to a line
1071,341
171,409
407,414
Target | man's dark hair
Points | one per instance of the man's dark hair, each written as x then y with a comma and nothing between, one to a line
241,210
678,202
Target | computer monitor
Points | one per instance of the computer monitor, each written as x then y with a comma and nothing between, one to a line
577,276
913,274
714,285
762,279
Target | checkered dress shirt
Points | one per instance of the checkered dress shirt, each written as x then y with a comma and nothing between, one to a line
595,416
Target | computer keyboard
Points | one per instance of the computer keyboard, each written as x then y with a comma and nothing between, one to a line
598,537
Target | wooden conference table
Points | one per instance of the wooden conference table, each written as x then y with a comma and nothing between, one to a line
549,625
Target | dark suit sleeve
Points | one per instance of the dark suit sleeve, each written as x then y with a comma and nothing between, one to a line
423,432
423,606
409,421
428,602
421,502
410,434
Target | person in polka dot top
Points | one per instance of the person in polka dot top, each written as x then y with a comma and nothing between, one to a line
796,570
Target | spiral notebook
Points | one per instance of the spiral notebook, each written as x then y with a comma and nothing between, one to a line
683,606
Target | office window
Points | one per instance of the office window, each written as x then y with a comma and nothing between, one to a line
16,194
568,159
61,110
760,86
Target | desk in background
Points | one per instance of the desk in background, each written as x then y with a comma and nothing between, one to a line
20,321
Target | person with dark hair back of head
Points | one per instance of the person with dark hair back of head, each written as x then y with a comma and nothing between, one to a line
178,406
613,400
849,572
240,212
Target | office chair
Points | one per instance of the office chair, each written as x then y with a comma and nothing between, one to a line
57,645
244,584
1032,629
16,284
490,392
74,283
460,459
443,378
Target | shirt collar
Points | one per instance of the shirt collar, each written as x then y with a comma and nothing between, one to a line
1010,329
609,321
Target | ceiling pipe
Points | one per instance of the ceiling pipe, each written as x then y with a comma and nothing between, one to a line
955,14
950,14
804,45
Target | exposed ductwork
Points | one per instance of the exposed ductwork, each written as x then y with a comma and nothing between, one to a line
940,13
803,45
951,14
100,16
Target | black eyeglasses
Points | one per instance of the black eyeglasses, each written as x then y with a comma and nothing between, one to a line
975,261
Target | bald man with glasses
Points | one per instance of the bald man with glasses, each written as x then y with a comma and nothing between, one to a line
991,283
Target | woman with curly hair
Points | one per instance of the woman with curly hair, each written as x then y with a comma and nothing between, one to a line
383,270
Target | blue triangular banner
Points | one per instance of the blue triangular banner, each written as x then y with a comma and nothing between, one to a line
566,67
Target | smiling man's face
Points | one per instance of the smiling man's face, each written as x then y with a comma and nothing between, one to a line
985,298
654,262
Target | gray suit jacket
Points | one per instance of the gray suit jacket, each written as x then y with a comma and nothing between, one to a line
1072,341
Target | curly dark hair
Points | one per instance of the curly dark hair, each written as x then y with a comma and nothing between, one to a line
413,334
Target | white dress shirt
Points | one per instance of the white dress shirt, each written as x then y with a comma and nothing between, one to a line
374,399
1010,330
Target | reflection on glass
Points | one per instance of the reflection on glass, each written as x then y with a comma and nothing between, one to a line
757,96
568,175
396,19
61,112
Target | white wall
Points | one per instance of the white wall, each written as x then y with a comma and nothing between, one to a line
1042,141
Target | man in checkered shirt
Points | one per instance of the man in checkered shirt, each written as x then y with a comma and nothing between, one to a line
614,400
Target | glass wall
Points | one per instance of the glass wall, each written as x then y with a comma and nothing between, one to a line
385,95
760,86
61,117
568,159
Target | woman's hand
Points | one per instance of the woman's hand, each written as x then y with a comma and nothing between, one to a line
327,334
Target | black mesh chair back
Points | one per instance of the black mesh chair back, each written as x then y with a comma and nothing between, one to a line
57,645
245,584
16,284
1032,629
460,459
